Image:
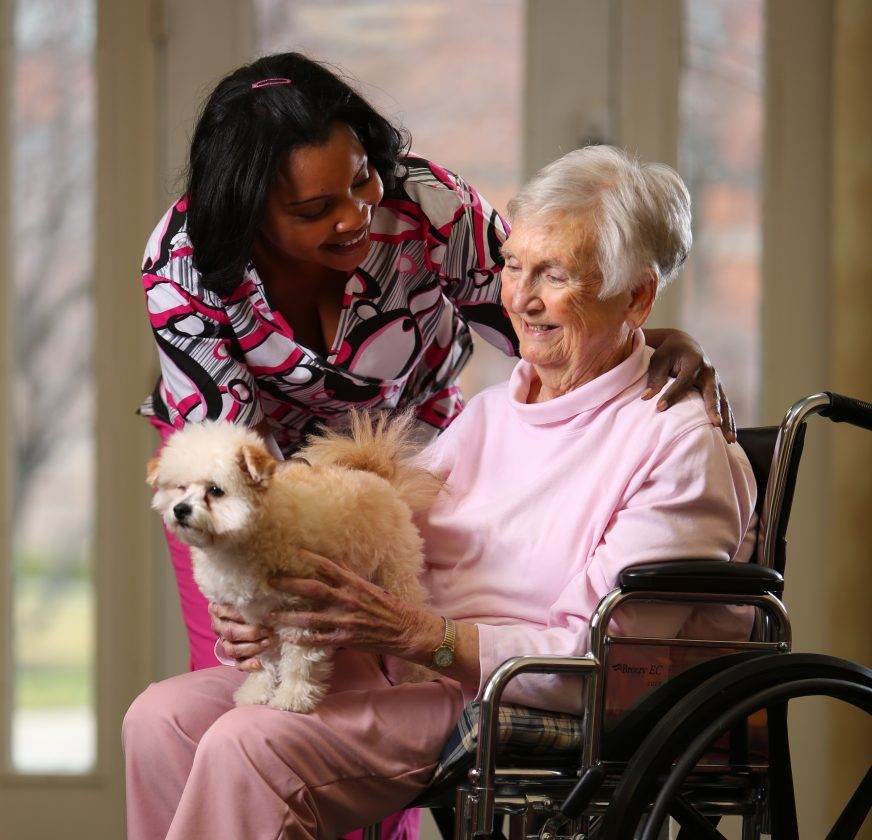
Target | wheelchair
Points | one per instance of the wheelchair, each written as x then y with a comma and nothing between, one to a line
696,732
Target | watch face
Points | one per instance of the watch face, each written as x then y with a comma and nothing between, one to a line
443,657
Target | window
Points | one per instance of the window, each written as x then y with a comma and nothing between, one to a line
720,158
52,388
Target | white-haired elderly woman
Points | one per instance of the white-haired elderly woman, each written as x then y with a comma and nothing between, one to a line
556,480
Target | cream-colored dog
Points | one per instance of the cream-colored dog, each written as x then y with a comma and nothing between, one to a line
244,514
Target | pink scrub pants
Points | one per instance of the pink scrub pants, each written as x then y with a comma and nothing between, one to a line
199,768
201,643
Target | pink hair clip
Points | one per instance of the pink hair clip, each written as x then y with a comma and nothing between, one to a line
270,83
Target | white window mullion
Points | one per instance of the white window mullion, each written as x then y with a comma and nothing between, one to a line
567,90
645,73
190,60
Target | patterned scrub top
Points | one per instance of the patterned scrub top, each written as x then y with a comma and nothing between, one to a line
403,335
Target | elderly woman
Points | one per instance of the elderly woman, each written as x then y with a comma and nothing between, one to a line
555,481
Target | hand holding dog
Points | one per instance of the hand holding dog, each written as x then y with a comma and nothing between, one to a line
240,641
347,610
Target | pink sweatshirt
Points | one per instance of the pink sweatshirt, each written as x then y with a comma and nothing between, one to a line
546,503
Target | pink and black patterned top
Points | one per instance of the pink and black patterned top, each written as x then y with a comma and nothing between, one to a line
403,336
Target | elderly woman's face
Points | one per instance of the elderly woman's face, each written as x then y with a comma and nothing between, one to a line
550,288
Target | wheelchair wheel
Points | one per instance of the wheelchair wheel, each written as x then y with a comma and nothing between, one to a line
673,748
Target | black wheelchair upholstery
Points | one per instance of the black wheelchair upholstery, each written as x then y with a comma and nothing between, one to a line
703,576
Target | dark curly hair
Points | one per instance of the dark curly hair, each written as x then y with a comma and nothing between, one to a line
243,136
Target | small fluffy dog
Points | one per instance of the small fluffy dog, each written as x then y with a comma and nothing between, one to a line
347,497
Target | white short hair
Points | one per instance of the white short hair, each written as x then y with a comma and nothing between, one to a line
639,212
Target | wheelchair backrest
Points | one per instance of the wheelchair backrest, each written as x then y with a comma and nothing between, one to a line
759,445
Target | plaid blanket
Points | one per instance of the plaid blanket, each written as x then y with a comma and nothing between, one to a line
523,733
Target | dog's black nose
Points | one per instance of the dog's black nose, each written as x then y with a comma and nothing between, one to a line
182,511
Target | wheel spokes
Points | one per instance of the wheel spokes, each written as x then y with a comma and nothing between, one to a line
691,819
781,796
851,819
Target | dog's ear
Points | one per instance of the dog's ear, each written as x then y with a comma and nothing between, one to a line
257,464
152,471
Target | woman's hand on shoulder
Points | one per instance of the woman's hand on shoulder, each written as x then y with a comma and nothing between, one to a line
678,354
240,641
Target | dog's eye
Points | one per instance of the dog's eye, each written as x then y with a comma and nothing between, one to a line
215,491
182,487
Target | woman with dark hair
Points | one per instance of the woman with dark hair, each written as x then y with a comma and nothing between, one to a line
313,266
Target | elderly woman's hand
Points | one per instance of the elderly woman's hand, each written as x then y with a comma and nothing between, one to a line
677,354
345,610
240,641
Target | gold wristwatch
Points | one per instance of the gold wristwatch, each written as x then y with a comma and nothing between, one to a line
443,656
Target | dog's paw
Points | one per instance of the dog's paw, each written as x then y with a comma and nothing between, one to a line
255,691
297,696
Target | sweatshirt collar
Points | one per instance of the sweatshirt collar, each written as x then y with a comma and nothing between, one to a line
585,398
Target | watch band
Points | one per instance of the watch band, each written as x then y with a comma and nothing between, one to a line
449,639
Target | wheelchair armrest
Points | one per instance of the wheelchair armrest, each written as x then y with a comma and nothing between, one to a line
482,774
706,577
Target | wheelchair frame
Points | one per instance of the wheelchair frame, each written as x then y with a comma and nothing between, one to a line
555,803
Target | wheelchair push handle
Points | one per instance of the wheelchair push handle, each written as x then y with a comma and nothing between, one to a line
844,409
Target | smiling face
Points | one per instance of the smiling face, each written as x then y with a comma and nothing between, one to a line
320,208
550,288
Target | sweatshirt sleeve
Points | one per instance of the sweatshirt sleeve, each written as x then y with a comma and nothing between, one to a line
695,502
